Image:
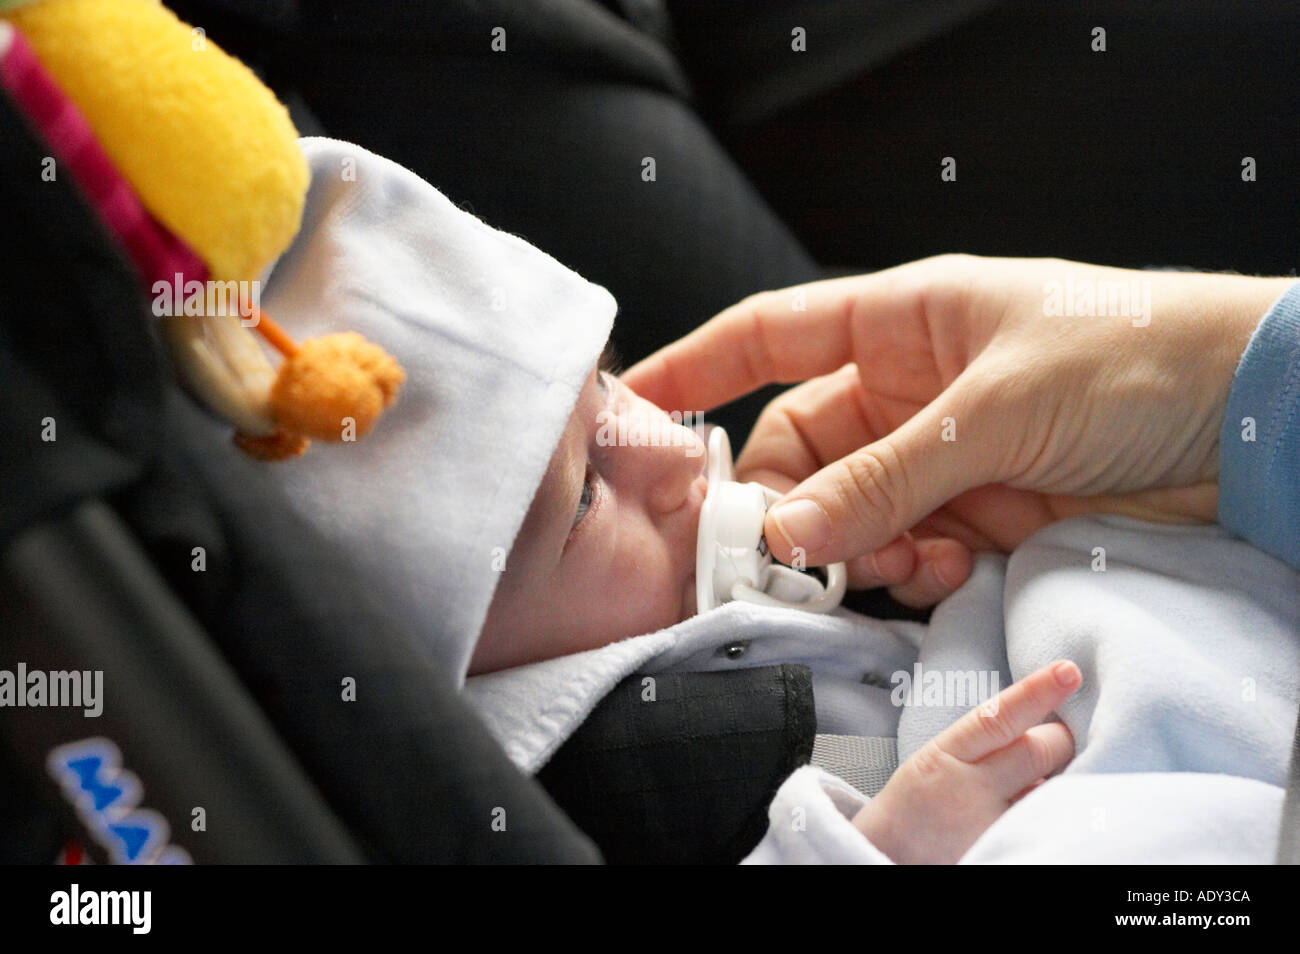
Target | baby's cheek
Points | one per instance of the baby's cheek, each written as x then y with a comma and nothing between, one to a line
649,591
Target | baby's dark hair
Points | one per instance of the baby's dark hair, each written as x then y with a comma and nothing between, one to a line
610,362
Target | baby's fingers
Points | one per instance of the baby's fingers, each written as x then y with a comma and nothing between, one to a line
942,565
1040,752
1011,713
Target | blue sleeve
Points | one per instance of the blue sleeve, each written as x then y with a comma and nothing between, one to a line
1259,478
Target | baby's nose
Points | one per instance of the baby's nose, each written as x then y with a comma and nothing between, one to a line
677,462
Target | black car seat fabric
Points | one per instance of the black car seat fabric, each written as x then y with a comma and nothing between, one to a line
278,620
290,614
80,595
236,704
225,683
547,140
680,768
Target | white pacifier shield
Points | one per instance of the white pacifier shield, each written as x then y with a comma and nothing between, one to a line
732,560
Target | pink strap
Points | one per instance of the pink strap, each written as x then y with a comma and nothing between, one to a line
158,255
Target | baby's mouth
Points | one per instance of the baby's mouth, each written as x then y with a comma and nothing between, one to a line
695,501
689,604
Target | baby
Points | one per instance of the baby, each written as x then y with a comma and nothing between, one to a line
607,551
490,510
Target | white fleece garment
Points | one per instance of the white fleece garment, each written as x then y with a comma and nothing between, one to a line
1189,643
1190,651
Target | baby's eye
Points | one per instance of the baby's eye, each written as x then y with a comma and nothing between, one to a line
584,502
603,384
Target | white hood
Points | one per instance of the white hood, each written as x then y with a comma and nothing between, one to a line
496,338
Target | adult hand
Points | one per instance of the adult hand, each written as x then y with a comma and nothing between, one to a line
972,401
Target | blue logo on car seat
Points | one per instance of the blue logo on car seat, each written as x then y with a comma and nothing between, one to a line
107,798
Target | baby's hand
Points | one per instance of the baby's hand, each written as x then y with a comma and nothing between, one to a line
954,787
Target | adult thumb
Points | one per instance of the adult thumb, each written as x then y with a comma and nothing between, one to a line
861,502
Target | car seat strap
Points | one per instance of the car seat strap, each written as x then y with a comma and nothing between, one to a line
864,761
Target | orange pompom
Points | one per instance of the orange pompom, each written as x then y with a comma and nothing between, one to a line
277,446
332,380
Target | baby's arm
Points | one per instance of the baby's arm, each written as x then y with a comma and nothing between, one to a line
954,787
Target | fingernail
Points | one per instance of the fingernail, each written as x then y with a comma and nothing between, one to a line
1066,673
803,523
894,562
941,576
949,570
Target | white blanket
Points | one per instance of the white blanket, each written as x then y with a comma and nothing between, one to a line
1190,649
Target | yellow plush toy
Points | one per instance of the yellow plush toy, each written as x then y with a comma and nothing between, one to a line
212,158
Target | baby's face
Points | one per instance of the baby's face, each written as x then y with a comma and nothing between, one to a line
607,549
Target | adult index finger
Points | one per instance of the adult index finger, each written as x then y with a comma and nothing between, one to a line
779,336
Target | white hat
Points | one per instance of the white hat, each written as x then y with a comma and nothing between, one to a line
497,339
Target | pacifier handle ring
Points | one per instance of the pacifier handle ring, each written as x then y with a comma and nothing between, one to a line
837,579
837,582
743,592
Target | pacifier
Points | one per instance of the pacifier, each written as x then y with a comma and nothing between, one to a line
732,560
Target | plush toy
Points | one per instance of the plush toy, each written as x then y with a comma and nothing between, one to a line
194,166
